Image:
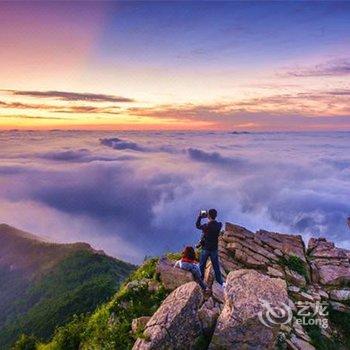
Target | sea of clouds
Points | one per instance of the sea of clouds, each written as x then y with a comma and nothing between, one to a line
134,194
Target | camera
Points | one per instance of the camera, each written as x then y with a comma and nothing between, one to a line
203,213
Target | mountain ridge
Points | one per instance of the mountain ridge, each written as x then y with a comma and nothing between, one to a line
46,283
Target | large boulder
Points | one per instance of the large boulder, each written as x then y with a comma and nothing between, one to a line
176,324
239,325
333,275
171,276
330,265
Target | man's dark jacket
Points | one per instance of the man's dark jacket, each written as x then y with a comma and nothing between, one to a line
211,232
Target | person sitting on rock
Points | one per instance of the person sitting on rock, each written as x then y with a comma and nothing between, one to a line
188,262
209,242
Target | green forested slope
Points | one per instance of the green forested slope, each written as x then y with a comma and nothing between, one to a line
109,326
44,284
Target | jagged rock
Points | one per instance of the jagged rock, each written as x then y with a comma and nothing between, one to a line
294,289
347,252
302,296
287,244
274,272
321,248
208,314
218,292
238,326
315,276
299,331
229,265
172,277
295,278
138,324
313,242
292,305
290,345
301,344
237,231
339,306
323,294
329,265
250,261
340,294
316,296
252,246
334,275
278,252
176,324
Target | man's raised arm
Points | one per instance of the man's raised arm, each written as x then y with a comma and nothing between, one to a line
198,223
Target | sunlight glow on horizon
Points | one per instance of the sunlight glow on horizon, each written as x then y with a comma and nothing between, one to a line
217,66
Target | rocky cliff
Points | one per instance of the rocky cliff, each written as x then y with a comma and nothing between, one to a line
279,294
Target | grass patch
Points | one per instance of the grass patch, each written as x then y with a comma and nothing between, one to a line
341,321
109,327
318,340
294,263
174,256
25,342
202,342
146,270
346,302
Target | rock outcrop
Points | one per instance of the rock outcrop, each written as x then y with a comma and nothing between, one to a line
172,277
261,250
239,325
176,323
208,314
259,268
330,265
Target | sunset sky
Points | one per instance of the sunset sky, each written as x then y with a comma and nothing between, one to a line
255,66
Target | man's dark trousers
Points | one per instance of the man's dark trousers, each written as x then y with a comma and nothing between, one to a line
214,257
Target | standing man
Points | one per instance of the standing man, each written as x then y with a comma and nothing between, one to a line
209,242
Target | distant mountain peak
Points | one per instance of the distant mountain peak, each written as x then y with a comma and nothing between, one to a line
6,229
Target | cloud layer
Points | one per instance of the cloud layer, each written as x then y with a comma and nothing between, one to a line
131,202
